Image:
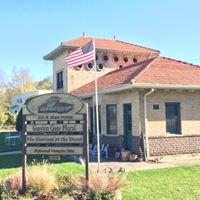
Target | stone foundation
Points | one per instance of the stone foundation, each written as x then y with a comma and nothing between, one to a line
159,146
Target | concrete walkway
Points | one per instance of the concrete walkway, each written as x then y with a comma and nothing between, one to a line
155,163
10,153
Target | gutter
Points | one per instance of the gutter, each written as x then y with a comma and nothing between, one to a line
146,143
142,86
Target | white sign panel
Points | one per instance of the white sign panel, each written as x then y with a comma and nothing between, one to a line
54,128
53,117
62,139
54,150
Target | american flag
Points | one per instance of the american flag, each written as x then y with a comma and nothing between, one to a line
81,56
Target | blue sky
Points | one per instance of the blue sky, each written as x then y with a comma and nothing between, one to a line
29,29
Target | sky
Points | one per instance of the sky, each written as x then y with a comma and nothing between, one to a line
29,29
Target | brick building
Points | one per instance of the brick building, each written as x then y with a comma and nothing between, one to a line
141,95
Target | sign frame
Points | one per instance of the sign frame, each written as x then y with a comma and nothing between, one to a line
83,132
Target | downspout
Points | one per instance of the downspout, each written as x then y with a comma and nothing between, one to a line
146,144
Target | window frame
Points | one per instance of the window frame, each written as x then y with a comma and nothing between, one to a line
108,131
59,80
179,130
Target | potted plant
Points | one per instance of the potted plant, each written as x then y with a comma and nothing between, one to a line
133,157
125,155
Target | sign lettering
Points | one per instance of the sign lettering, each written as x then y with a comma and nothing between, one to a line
54,150
54,127
43,139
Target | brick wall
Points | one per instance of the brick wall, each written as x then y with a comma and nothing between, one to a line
189,111
174,145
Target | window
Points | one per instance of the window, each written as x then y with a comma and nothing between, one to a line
173,120
134,60
19,100
100,66
91,118
125,59
99,110
156,106
105,58
111,114
116,59
59,80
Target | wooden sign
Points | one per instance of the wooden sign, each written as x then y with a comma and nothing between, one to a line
62,139
54,150
54,117
54,103
54,128
55,125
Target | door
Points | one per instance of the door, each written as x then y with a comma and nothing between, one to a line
173,118
127,126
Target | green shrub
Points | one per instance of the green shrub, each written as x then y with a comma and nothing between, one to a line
66,184
101,195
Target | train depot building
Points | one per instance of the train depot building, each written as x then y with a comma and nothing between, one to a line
142,96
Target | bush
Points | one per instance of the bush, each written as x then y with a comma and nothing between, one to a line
66,184
104,181
14,184
40,179
101,195
102,186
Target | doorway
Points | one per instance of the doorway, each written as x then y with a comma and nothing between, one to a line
127,113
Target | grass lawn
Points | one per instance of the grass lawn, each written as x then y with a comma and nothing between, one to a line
179,183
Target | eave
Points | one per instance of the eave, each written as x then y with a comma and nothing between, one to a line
143,86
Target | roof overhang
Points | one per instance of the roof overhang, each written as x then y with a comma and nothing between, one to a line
60,49
142,86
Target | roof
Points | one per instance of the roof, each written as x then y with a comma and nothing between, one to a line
154,71
115,78
100,43
170,71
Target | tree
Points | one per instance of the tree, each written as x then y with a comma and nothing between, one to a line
46,84
3,118
21,81
11,119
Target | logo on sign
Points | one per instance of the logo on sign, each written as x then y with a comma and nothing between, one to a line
55,105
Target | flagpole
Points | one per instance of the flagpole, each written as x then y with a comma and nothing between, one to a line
97,109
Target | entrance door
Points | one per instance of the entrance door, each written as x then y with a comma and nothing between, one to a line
127,126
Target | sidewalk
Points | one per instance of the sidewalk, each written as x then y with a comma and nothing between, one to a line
10,153
164,162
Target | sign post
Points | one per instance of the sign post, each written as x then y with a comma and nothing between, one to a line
24,158
55,124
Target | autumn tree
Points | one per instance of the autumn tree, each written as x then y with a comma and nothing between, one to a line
21,81
45,83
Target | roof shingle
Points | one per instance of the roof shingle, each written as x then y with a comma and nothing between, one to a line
159,70
170,71
115,78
